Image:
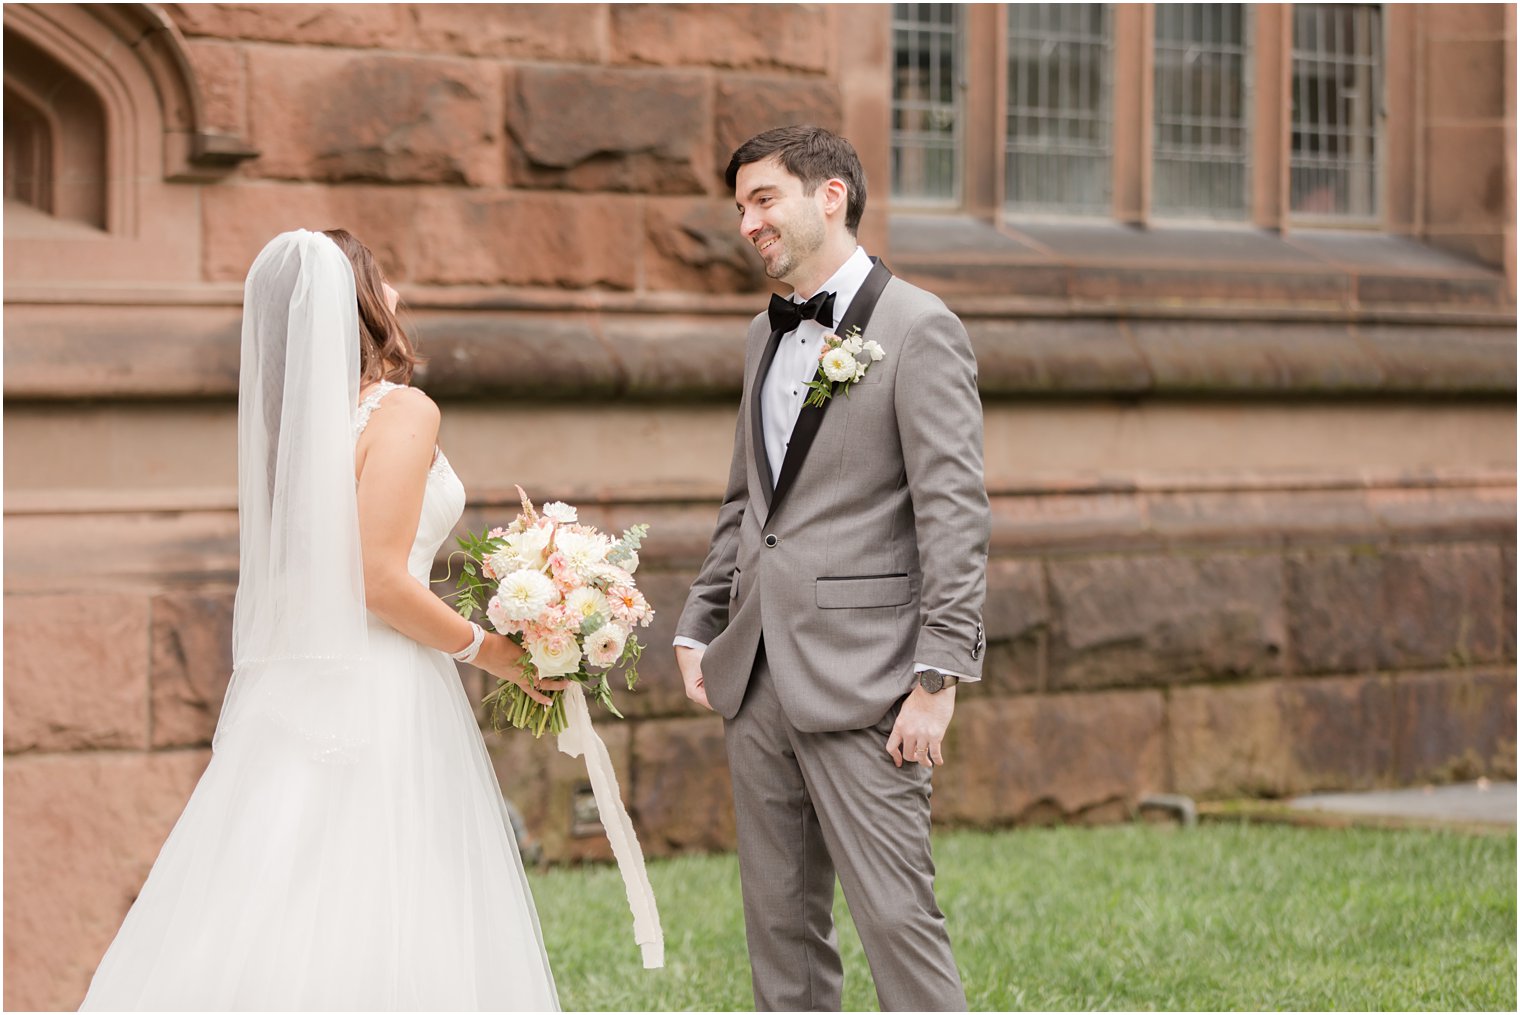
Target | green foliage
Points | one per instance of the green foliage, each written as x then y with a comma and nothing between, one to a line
1222,917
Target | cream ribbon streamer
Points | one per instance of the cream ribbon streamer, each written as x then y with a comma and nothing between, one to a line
580,738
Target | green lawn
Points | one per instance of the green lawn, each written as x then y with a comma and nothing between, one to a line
1135,917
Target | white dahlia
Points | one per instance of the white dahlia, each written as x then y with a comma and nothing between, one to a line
583,552
559,511
524,593
585,603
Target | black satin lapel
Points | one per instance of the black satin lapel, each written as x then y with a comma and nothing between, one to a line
756,420
811,417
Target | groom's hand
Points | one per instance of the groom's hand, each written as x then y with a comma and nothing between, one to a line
920,727
689,660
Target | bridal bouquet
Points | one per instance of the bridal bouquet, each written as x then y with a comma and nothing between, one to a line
565,593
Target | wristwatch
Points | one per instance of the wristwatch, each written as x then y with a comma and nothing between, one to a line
934,681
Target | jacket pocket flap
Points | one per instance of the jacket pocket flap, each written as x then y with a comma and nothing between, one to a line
864,593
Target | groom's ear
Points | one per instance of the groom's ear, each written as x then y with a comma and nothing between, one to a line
836,196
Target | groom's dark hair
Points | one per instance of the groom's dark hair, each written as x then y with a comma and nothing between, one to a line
813,155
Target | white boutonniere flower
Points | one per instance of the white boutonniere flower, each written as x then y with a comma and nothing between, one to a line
845,360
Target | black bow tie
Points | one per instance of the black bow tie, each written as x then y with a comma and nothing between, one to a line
786,315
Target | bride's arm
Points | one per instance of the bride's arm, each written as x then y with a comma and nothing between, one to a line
394,455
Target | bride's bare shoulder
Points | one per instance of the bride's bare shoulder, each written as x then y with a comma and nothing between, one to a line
405,408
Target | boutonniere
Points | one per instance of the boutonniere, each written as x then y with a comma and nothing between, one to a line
844,361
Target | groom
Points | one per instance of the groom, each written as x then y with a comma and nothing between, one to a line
840,602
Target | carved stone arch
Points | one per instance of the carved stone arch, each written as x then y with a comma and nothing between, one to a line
147,141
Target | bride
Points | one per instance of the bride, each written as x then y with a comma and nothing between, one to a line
348,846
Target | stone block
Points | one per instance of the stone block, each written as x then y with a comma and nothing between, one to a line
1339,733
1454,726
1375,608
675,358
1254,357
783,37
238,219
1228,741
694,245
360,25
1101,520
1466,184
1047,357
190,664
494,354
1446,360
1037,759
1445,21
571,32
1484,244
341,117
608,130
1507,600
1467,79
221,72
1142,620
1015,617
1170,285
544,785
491,238
1236,516
81,832
745,106
682,794
76,672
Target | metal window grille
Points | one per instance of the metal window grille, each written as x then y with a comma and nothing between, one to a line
927,113
1337,100
1059,151
1201,156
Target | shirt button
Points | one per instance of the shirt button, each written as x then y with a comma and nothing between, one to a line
770,539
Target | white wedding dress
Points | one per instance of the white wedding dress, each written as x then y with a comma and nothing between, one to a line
372,871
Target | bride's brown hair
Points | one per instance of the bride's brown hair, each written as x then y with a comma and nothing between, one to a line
385,351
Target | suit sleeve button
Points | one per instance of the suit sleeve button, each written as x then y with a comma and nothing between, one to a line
770,539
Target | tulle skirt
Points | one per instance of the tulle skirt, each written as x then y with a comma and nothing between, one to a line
381,877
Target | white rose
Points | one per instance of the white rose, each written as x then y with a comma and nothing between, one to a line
524,593
838,365
605,645
874,350
554,656
585,602
559,511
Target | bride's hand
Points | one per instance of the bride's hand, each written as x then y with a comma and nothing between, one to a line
501,657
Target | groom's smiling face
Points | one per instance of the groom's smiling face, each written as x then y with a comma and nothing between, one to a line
785,223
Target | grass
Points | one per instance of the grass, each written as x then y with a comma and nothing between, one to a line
1225,916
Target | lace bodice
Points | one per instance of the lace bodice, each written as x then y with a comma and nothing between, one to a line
442,499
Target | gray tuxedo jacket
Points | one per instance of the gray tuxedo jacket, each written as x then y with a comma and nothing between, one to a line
871,552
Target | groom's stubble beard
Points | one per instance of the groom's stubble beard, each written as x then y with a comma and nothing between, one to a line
799,242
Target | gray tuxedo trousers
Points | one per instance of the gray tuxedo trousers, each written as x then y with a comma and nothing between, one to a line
818,595
808,806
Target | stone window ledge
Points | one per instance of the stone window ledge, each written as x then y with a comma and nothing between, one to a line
1187,271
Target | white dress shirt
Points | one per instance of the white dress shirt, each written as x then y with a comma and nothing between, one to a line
795,364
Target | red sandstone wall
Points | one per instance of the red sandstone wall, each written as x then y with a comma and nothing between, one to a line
1165,613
